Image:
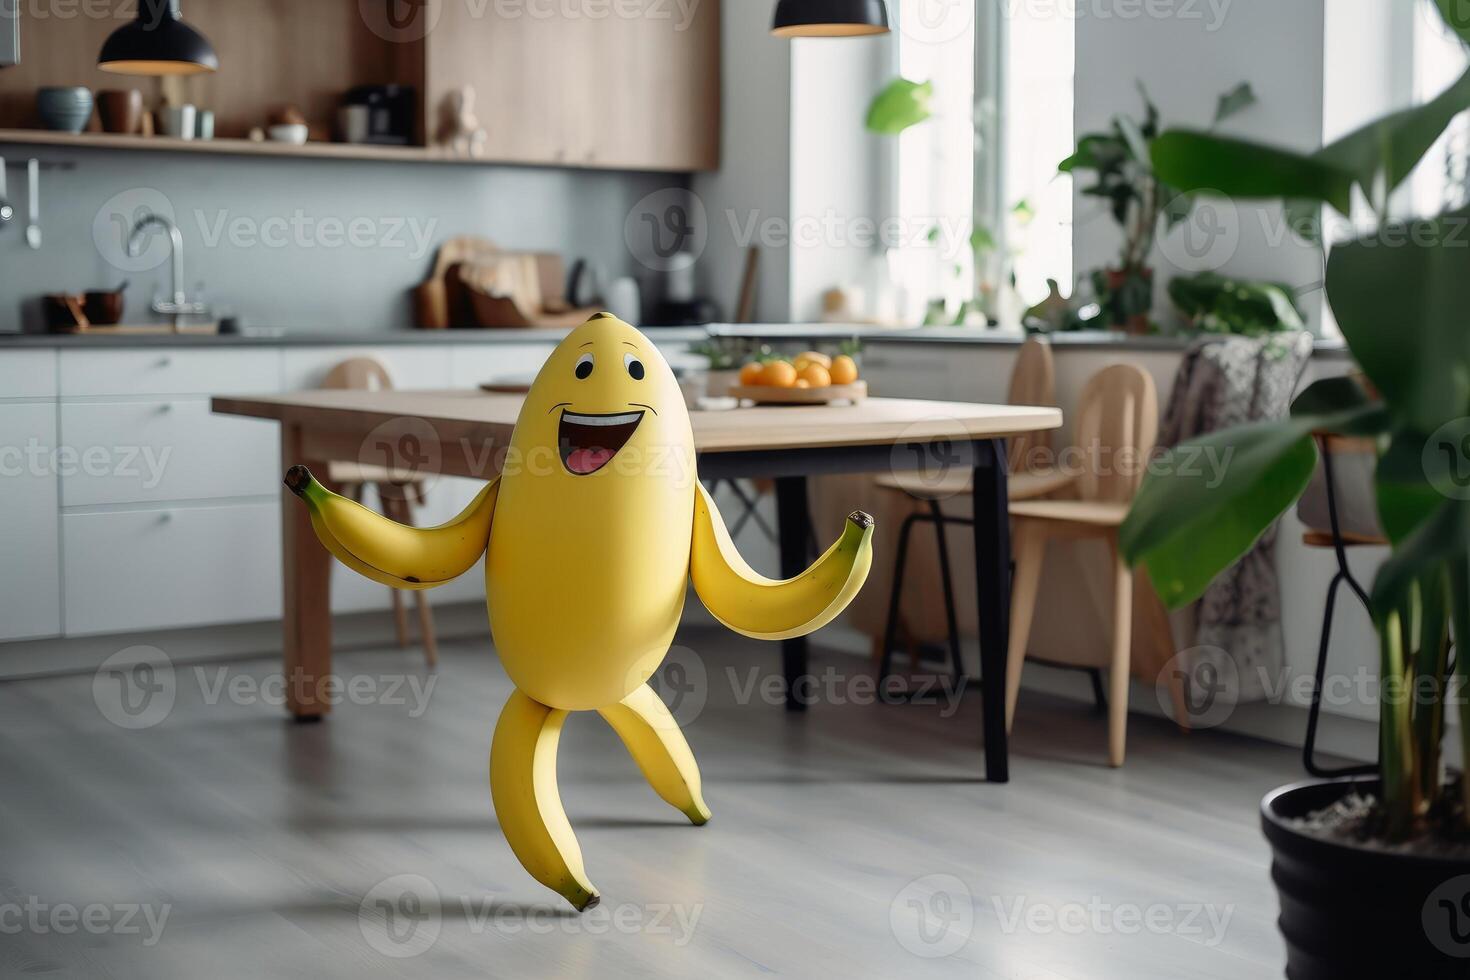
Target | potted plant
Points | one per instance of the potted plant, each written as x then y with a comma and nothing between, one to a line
1137,198
1373,875
1219,304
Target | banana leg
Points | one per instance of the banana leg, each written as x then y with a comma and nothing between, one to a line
528,803
655,742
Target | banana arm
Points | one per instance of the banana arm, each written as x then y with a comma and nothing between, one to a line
397,555
769,609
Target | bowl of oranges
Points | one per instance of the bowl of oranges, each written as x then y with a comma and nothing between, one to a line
809,378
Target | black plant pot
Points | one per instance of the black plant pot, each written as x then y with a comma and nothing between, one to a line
1348,912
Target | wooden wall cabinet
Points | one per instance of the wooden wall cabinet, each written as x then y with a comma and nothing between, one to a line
613,84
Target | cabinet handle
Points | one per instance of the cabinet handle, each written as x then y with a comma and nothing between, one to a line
166,517
165,408
165,361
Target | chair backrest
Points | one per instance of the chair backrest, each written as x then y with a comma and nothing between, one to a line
1033,382
1117,429
359,373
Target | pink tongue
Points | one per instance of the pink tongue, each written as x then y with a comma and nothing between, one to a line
588,460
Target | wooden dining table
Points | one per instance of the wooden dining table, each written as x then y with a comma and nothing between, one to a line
466,433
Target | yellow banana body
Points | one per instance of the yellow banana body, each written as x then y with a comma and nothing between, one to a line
586,573
528,803
655,742
749,603
395,554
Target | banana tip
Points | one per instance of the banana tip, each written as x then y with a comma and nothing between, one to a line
862,519
298,478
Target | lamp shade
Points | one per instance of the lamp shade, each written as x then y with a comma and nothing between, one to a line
829,18
157,42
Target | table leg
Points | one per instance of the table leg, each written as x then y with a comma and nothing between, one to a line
794,526
306,571
993,583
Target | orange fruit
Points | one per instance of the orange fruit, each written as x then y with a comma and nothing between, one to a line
816,376
750,374
778,374
844,370
802,383
815,357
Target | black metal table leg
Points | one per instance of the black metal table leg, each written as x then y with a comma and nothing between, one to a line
794,530
993,585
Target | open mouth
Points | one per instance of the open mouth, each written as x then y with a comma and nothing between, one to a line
587,442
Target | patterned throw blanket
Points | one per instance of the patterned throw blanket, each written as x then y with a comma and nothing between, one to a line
1226,381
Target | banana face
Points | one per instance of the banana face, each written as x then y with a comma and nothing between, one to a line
589,552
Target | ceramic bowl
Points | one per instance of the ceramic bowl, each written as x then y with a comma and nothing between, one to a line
288,133
64,108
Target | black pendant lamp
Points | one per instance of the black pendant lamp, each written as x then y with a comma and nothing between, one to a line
157,43
829,18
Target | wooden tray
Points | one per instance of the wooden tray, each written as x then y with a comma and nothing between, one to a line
770,395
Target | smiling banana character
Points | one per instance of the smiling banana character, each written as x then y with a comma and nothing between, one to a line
592,533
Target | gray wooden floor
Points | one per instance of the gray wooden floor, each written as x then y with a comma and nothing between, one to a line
858,840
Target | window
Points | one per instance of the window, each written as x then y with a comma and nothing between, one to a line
982,171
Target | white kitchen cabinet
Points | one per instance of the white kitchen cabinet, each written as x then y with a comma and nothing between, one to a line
474,365
30,586
188,565
28,374
139,451
410,368
170,371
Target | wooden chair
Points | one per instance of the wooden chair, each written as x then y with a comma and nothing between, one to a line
1117,427
396,490
1033,382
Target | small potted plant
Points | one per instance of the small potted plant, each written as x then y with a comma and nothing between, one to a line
1373,874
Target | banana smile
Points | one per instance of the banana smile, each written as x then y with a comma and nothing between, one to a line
587,443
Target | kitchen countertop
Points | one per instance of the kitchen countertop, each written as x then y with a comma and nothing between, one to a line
776,332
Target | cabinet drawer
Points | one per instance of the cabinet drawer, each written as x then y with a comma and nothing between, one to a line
28,374
131,452
154,569
170,371
497,362
410,368
30,585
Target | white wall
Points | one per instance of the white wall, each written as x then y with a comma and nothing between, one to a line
1185,60
754,179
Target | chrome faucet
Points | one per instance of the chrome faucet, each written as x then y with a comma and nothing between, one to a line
179,306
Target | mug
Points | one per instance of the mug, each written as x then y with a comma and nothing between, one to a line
177,121
121,110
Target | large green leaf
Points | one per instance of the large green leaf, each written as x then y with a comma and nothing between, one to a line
1343,400
1401,296
901,104
1426,549
1393,145
1206,501
1198,161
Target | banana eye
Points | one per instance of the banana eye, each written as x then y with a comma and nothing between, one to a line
634,366
584,366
